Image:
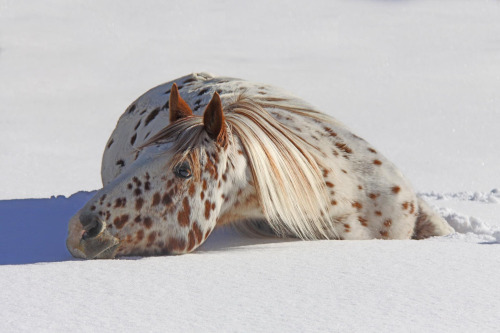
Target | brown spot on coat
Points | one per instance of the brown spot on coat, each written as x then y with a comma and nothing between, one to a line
373,196
176,245
138,203
203,91
325,173
384,233
152,115
137,125
192,189
197,232
120,202
151,238
405,205
140,235
131,108
377,162
148,223
133,138
137,181
120,221
378,213
329,184
363,221
343,147
412,208
357,205
207,233
395,189
388,223
207,209
372,150
156,199
191,241
166,200
183,215
211,168
330,131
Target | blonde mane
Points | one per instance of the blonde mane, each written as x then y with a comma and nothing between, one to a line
286,170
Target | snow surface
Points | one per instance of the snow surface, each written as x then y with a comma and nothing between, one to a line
418,79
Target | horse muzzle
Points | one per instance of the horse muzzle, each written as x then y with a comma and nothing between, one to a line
89,238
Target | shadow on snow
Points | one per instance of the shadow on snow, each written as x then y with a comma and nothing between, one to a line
35,230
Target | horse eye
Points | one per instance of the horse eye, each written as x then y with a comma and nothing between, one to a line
183,170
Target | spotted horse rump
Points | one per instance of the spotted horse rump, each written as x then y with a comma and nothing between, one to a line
204,151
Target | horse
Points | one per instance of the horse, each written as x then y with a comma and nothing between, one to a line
202,151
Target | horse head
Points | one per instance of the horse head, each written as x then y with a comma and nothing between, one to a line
173,196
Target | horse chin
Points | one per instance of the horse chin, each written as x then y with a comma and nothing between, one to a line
104,246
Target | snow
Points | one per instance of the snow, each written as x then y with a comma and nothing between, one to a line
492,196
419,80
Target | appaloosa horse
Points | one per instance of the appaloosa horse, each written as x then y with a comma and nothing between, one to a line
204,151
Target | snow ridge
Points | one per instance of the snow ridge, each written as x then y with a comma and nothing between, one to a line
469,228
485,197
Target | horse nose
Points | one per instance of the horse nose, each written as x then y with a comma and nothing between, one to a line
92,225
96,241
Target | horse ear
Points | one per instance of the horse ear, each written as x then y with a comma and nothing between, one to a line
213,120
178,107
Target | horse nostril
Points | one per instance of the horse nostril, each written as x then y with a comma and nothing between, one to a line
91,224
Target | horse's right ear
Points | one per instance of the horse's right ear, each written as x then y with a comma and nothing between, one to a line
178,107
214,121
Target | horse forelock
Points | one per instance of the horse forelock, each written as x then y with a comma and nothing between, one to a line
185,135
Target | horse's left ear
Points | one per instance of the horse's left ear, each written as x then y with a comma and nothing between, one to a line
213,120
178,107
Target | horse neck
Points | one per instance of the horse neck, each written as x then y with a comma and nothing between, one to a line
245,206
240,201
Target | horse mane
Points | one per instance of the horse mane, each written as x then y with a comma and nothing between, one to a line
286,170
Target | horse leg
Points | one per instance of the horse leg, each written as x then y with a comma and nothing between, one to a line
429,223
